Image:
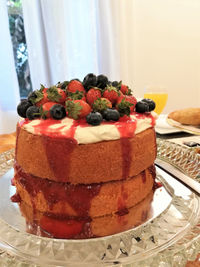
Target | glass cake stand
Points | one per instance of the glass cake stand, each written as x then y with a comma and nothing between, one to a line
170,237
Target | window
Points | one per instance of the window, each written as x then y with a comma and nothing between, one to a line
16,24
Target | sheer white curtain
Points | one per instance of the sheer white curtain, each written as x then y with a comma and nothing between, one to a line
141,42
9,89
68,39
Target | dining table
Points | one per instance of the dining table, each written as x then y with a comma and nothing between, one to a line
168,137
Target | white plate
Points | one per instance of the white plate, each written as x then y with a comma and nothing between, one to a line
162,127
185,128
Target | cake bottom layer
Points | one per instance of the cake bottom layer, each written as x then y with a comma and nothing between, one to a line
46,224
93,200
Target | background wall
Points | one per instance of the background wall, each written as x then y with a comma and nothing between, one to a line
162,47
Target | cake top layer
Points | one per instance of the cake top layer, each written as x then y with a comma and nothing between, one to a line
84,133
88,111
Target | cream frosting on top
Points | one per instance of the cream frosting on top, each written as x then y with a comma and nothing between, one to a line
84,133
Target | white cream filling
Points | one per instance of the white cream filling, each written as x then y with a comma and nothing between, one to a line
94,134
90,134
143,125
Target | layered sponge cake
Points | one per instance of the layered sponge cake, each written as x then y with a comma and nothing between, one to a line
84,167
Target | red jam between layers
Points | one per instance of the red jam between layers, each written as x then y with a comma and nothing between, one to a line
78,196
49,226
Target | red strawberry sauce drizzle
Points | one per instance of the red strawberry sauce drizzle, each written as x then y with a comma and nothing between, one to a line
122,209
58,148
16,198
122,200
126,128
58,152
17,135
145,115
62,228
78,196
143,177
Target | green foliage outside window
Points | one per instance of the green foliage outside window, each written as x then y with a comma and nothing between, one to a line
16,24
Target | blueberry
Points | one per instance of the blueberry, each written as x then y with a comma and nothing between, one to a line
94,118
63,85
104,113
32,96
33,112
102,81
111,114
150,102
57,112
22,108
89,81
141,107
115,83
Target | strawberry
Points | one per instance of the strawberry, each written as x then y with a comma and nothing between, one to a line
111,93
123,106
38,97
101,104
56,94
131,99
78,95
74,86
61,228
43,100
121,95
45,109
44,95
77,109
128,98
93,94
125,89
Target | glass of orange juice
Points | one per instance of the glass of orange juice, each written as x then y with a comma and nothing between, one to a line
158,95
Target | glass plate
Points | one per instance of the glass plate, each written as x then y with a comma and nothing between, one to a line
183,158
170,237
